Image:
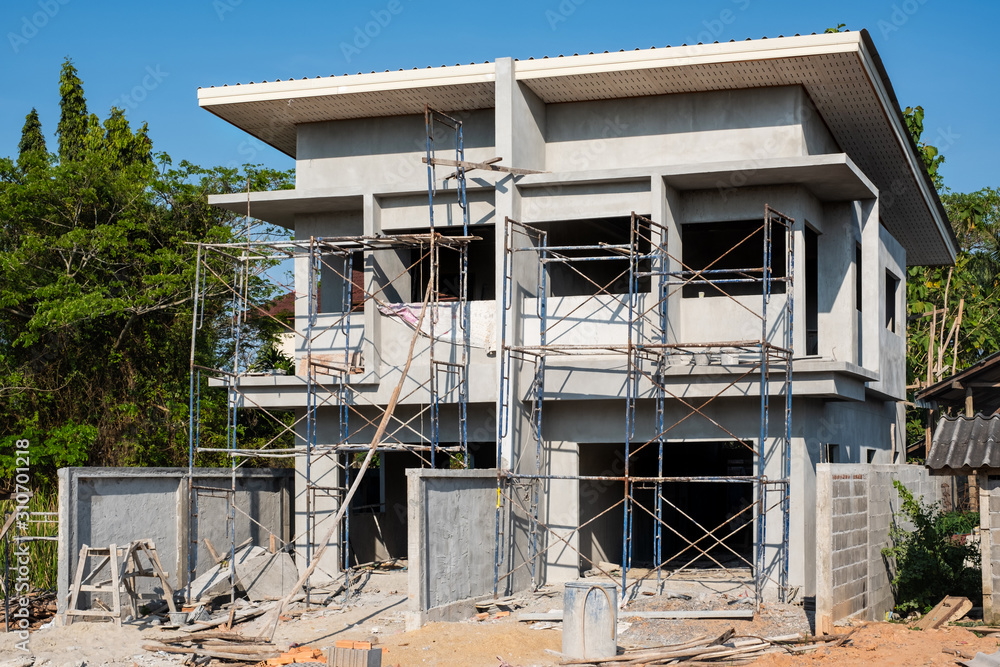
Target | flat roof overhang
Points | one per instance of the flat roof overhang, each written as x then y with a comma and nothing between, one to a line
842,73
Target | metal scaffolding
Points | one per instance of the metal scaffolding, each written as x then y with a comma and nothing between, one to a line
328,355
643,289
653,276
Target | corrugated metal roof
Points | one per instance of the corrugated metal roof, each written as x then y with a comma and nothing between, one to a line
485,62
983,377
964,444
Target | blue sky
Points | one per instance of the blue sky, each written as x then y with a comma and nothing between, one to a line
151,58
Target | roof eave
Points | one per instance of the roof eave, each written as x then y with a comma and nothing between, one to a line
919,172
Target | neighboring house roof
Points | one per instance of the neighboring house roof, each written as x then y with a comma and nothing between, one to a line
842,73
983,377
282,307
965,444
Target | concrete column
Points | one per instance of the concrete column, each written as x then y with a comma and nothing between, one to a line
373,323
986,540
799,286
505,206
871,278
665,205
824,563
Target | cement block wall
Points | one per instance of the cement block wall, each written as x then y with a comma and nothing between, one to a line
989,525
451,528
102,506
855,508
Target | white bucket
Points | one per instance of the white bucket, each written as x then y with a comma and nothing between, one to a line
590,620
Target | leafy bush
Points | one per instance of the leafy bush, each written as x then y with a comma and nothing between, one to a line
929,562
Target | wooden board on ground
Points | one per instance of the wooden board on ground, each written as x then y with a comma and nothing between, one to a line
656,615
948,610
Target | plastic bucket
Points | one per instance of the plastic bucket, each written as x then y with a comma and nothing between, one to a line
590,619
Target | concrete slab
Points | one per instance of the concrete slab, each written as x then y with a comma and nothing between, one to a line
267,576
216,580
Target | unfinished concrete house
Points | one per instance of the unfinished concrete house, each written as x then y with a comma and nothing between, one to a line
646,291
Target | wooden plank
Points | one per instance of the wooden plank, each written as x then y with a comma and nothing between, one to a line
950,609
154,561
213,654
485,166
656,615
88,612
77,580
216,558
116,596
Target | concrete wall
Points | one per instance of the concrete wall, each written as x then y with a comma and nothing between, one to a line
362,151
989,535
683,128
103,506
891,341
451,527
856,505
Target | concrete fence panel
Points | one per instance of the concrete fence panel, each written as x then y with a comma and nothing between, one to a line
451,528
103,506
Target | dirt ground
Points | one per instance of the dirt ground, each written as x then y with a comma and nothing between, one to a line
484,643
377,615
893,644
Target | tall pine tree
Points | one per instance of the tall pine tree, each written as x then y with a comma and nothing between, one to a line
32,139
73,117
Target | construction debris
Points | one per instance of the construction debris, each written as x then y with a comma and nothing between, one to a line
983,660
727,649
948,610
215,581
267,576
348,653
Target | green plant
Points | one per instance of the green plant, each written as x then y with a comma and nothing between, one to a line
929,563
41,554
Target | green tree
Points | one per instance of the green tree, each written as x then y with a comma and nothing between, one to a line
97,264
936,295
914,118
32,142
73,118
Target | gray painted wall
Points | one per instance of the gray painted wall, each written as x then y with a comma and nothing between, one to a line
103,506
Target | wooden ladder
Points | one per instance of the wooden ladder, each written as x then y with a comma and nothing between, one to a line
124,566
